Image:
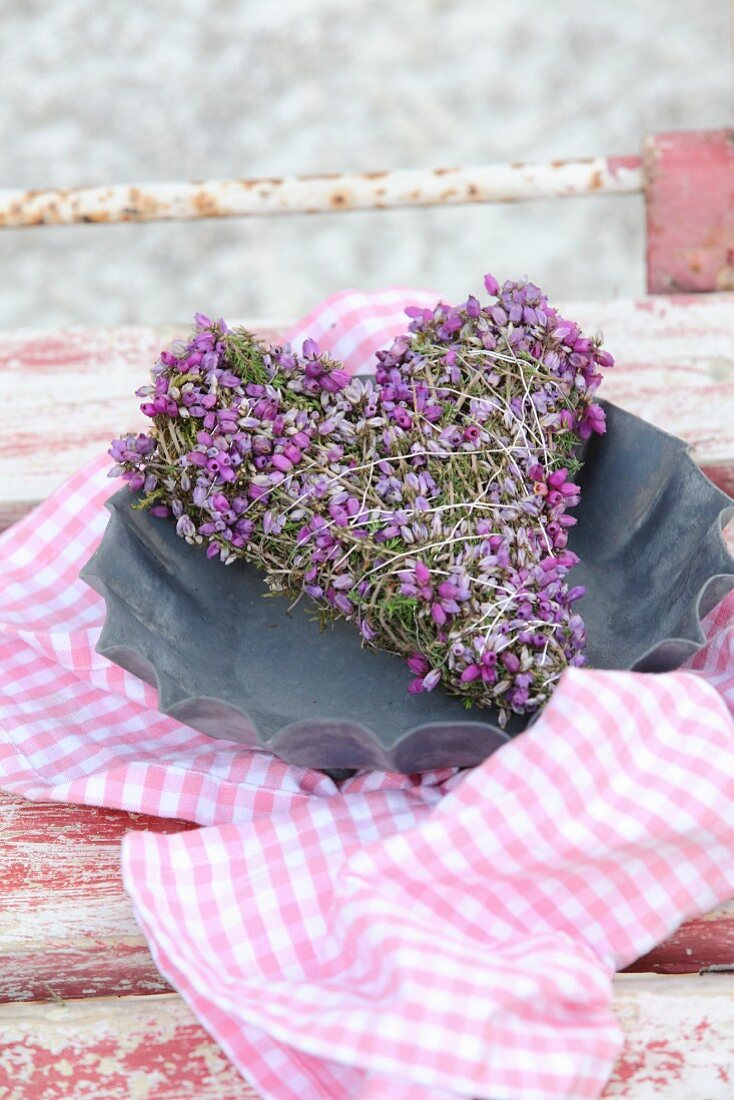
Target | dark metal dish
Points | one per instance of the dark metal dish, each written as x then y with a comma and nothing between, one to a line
232,664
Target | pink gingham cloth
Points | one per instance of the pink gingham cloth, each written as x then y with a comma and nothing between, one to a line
392,937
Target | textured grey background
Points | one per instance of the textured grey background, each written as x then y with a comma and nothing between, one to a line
175,89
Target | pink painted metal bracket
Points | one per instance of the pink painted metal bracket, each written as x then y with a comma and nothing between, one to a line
689,197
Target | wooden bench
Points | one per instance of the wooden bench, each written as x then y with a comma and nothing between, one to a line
80,998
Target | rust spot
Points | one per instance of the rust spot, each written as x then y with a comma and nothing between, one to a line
414,195
717,237
725,278
444,171
374,175
143,204
274,181
206,206
448,194
597,180
472,190
318,176
517,164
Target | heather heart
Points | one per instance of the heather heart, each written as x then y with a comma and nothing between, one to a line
429,505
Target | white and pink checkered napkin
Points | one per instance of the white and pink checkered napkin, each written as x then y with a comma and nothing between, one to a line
406,937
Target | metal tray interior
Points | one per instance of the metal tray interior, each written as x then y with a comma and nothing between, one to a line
233,664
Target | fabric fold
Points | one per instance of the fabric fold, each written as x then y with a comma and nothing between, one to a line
472,951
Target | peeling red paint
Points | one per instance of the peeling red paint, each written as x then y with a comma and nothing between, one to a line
67,930
628,1065
701,1028
113,1050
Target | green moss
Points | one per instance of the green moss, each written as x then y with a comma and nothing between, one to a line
150,499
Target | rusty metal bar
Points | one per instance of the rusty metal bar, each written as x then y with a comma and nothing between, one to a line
320,194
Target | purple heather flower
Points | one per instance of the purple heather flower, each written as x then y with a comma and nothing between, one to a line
418,664
431,680
593,420
185,527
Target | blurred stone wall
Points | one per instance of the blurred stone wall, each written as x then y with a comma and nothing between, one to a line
177,89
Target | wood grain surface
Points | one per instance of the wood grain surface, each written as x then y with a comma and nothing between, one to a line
72,390
679,1045
129,1048
66,925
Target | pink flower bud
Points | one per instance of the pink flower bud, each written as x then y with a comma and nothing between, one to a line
422,573
431,680
280,462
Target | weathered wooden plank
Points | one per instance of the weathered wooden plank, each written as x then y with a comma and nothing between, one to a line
679,1045
72,390
66,925
675,365
700,944
132,1048
679,1036
67,928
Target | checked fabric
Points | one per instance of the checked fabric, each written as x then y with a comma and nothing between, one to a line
393,937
